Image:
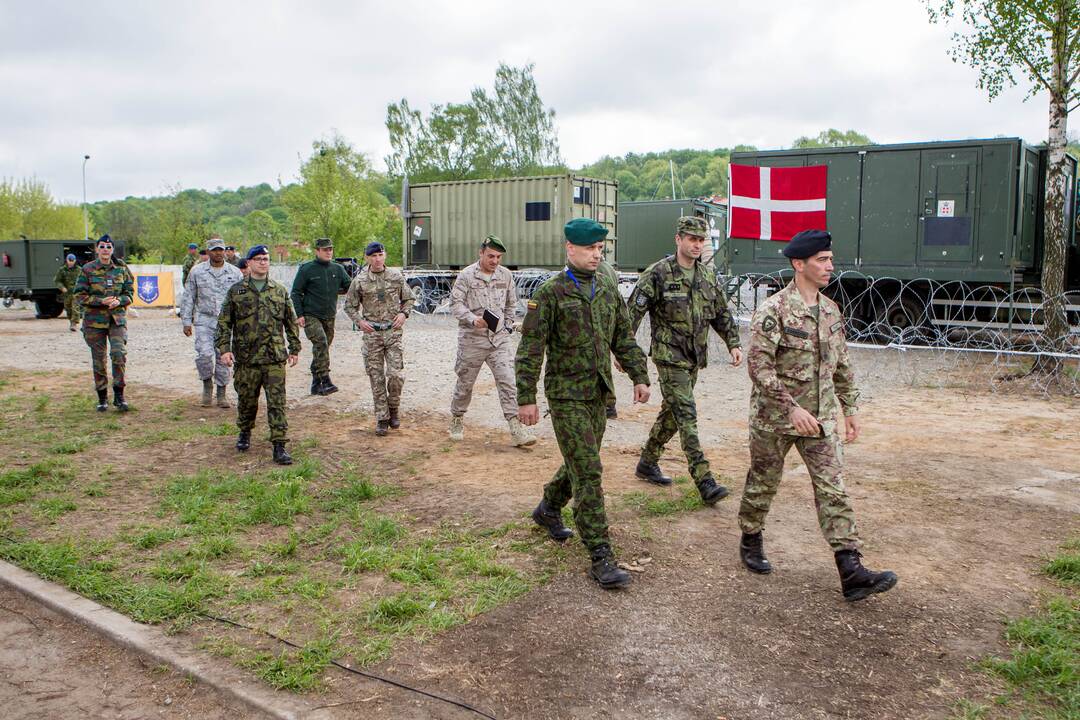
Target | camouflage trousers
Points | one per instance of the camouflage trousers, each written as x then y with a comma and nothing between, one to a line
579,429
678,414
115,336
385,366
249,381
72,308
207,358
320,333
824,461
473,351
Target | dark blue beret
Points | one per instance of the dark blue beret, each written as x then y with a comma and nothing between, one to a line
104,239
807,244
374,247
258,250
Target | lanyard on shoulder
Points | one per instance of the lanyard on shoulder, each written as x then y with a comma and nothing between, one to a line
570,274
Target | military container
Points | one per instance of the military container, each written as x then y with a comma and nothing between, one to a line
920,213
445,222
647,229
27,268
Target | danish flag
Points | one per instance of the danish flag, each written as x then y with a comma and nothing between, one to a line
775,203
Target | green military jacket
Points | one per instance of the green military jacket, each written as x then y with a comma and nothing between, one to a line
96,283
66,277
251,323
316,288
796,360
681,310
577,330
189,262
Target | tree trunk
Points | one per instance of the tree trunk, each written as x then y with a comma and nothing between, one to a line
1055,250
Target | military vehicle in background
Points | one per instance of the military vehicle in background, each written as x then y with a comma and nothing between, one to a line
949,226
647,230
27,269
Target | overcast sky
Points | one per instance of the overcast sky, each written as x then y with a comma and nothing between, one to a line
222,94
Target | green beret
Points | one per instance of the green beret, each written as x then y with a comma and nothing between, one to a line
584,231
693,225
323,243
493,242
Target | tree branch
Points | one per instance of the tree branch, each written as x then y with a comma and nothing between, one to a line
1015,49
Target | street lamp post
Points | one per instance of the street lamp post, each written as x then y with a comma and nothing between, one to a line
85,217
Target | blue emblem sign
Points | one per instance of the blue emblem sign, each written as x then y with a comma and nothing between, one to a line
148,288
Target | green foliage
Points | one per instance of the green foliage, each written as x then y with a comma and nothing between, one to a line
833,138
28,208
647,176
503,133
338,197
1065,568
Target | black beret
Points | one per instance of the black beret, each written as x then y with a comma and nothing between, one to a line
807,244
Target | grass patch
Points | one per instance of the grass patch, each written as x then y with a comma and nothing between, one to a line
17,486
295,670
1065,567
684,498
53,508
155,537
71,446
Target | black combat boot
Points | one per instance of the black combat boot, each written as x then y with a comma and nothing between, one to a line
118,399
395,419
550,519
752,552
102,400
711,493
328,386
243,440
316,385
611,412
382,427
856,581
650,472
281,455
605,571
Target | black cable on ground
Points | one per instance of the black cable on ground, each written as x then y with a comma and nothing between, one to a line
361,673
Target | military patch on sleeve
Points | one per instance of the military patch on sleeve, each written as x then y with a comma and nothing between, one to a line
532,305
532,317
836,326
641,300
768,324
796,332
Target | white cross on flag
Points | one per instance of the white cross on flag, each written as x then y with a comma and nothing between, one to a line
775,203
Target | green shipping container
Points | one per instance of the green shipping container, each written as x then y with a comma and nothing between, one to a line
647,230
445,222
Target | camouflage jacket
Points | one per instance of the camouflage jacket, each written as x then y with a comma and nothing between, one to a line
681,310
66,277
378,297
251,322
189,262
96,283
472,295
205,292
789,350
578,330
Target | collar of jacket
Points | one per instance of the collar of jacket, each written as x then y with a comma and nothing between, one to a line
795,302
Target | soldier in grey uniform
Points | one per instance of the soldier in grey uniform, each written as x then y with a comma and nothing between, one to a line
378,302
802,380
200,306
485,289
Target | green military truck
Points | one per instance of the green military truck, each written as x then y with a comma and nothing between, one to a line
27,269
647,230
926,233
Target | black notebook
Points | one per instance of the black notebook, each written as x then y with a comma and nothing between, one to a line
492,320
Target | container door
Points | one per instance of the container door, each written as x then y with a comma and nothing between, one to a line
1029,187
890,209
419,241
45,261
947,227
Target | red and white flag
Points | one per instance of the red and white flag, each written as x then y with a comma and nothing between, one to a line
775,203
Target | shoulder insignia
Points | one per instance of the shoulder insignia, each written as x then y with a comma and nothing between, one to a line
796,332
532,305
641,300
836,326
768,324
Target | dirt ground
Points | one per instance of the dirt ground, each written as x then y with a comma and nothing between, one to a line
960,492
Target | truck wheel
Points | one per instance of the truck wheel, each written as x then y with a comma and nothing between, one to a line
48,309
904,320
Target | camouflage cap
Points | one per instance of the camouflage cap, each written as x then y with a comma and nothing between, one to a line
584,231
215,244
323,243
693,225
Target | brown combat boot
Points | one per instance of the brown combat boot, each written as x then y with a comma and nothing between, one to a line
395,419
382,427
207,392
222,400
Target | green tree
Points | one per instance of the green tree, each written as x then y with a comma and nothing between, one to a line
28,208
1039,41
506,132
260,228
338,197
832,138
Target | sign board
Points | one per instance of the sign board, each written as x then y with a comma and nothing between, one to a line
946,208
154,290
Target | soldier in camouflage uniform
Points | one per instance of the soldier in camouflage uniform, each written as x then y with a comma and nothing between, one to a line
315,292
249,333
104,290
65,280
802,380
578,319
605,268
379,302
485,287
199,309
681,296
190,261
231,257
